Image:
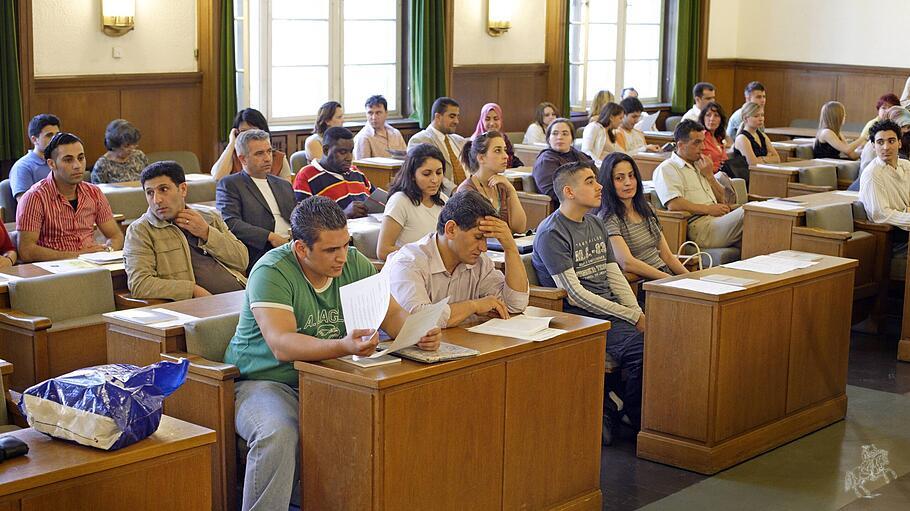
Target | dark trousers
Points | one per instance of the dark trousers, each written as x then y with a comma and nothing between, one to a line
626,345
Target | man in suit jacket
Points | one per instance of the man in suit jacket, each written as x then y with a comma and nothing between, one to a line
256,205
441,134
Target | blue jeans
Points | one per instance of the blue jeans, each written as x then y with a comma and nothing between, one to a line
266,417
626,345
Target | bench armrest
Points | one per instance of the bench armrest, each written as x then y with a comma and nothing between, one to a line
808,188
547,293
204,367
822,233
666,213
23,320
866,225
5,367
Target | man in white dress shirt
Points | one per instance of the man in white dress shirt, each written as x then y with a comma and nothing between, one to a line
441,133
884,188
704,93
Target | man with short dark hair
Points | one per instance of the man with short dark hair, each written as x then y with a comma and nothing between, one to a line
754,93
377,137
704,93
292,311
631,138
572,252
174,252
334,177
255,204
884,187
441,134
686,182
57,216
33,167
452,262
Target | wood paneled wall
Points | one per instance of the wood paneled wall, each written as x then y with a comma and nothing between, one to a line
797,90
517,88
166,108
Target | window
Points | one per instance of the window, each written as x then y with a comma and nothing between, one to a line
301,53
614,44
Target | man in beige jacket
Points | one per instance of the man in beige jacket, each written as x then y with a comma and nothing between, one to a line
175,252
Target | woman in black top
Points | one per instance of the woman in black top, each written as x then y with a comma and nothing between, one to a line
829,143
750,142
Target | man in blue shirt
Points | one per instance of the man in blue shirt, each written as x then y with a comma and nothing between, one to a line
32,167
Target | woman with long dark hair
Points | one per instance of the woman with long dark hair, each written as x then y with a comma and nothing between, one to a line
415,200
635,236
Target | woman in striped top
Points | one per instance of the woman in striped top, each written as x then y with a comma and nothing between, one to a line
633,228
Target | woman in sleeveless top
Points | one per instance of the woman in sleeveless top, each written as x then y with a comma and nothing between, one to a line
829,143
750,142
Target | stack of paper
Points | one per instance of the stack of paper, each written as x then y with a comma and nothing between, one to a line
161,318
531,328
703,286
773,265
103,257
779,204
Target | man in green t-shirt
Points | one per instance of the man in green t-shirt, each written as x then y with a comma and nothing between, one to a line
292,311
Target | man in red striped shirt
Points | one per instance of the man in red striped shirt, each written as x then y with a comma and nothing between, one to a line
56,218
334,177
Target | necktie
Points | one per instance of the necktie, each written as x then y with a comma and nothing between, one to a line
457,169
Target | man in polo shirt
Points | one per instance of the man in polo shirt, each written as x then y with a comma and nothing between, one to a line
32,167
334,177
56,218
704,93
441,134
452,262
377,137
256,205
292,311
686,182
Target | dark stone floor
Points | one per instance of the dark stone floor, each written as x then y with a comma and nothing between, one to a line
629,483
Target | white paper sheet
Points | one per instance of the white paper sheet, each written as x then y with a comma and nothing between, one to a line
377,160
137,314
364,303
66,265
377,216
775,167
779,205
197,176
703,286
795,254
103,257
770,265
531,328
417,324
848,193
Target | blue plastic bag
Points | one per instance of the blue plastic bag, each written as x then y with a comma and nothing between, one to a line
108,407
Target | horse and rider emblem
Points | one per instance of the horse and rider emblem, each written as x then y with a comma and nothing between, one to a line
873,468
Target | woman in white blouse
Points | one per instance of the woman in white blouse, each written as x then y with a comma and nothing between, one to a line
415,202
599,138
536,133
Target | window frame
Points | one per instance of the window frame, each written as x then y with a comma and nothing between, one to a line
258,64
620,57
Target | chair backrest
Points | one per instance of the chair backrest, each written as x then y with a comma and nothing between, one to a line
209,337
529,269
803,152
819,176
859,211
739,187
516,137
7,201
804,123
831,217
528,184
187,159
672,122
64,296
128,201
298,161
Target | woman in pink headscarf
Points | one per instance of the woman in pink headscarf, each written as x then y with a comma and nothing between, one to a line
491,120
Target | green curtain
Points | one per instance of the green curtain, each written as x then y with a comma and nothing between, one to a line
12,132
566,107
428,56
227,84
685,75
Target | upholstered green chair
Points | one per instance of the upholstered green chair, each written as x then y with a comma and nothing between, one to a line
187,159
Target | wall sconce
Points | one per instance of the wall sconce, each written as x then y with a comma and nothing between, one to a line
499,16
117,16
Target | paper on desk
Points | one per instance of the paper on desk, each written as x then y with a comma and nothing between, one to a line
378,160
417,324
64,266
530,328
769,264
775,167
103,257
364,303
703,286
377,216
174,318
795,254
848,193
773,204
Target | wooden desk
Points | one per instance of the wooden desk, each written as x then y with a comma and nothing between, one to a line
118,277
791,132
767,230
658,137
168,470
380,171
753,370
647,162
517,427
773,179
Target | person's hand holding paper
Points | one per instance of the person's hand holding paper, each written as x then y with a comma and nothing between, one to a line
420,329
